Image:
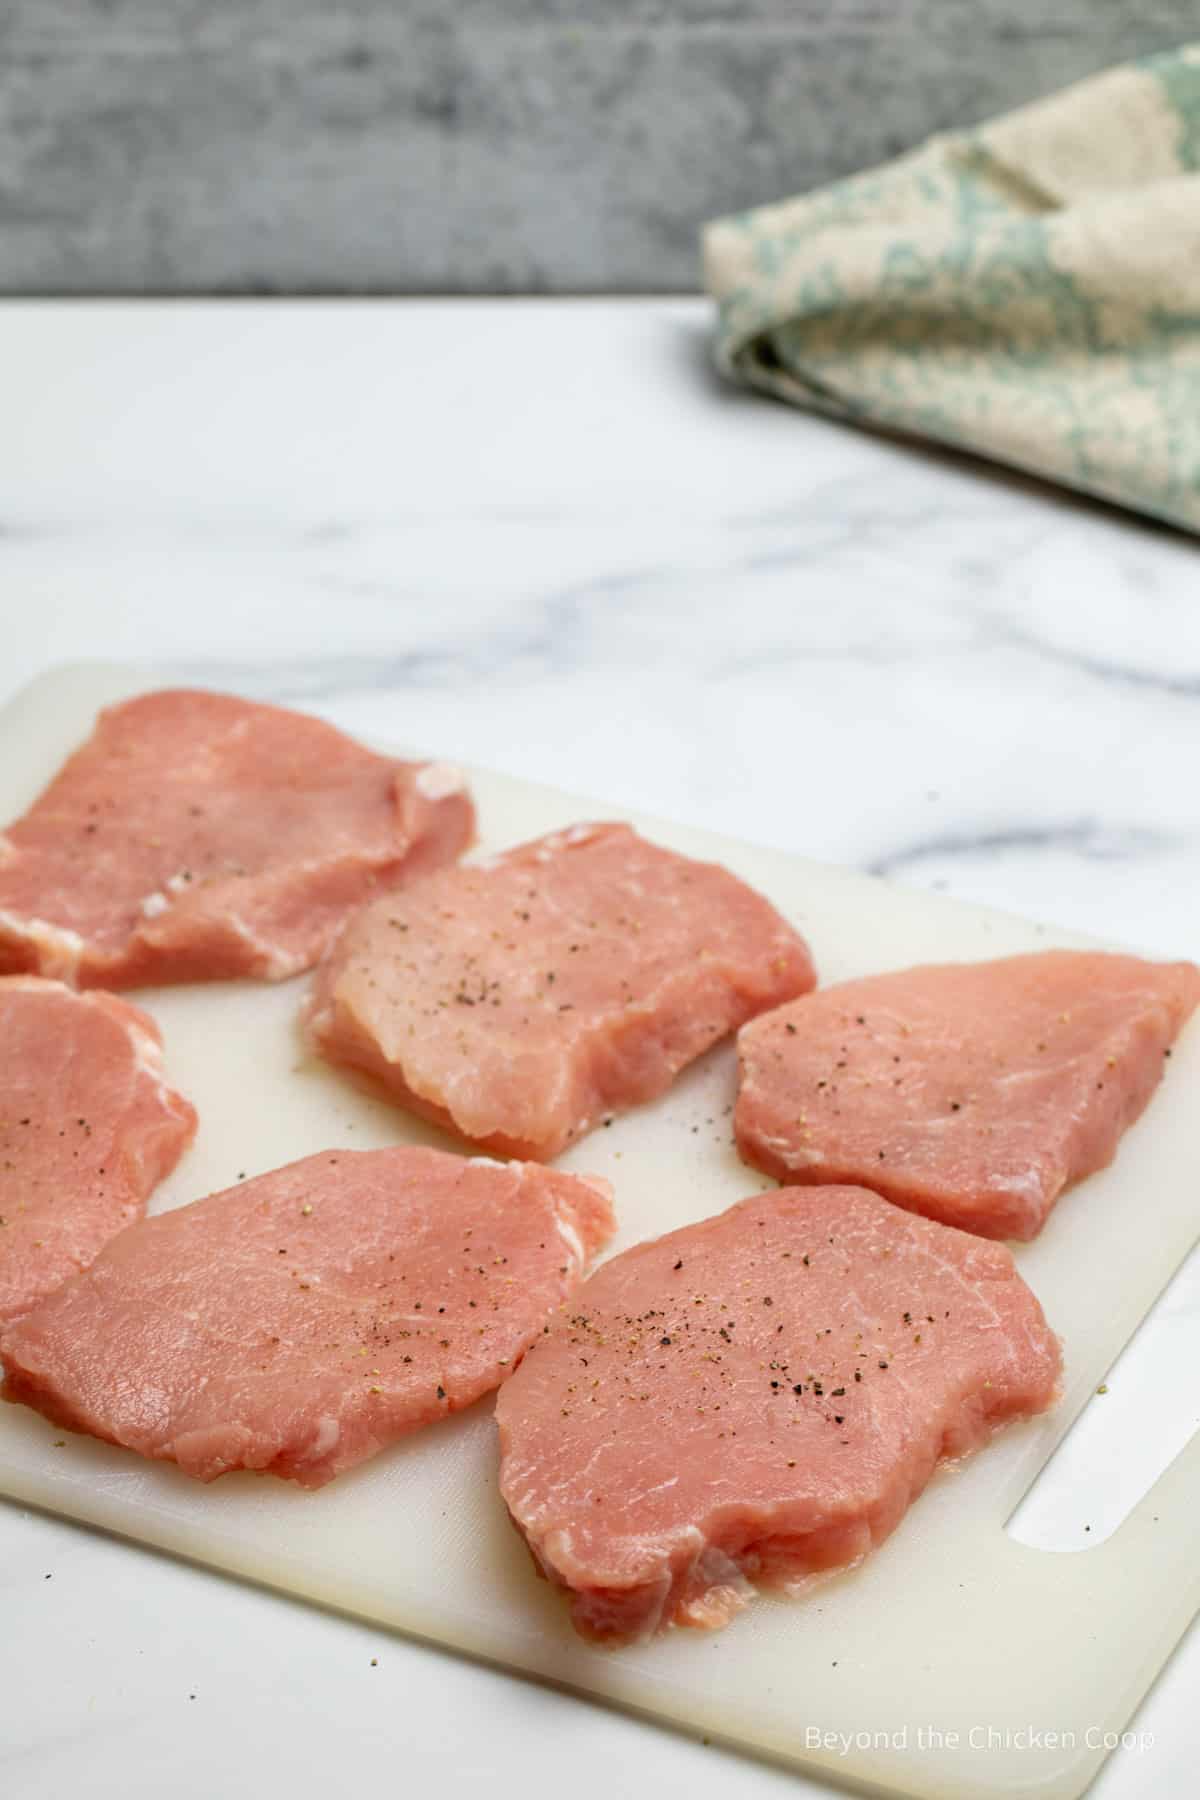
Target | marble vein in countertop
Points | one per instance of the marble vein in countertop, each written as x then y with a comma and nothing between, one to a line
1092,839
1183,685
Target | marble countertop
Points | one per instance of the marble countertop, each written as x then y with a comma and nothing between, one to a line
540,535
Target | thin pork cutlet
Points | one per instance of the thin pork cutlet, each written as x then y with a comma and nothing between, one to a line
88,1126
757,1398
974,1093
306,1319
523,1000
198,837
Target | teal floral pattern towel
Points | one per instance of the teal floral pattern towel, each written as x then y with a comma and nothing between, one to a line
1029,290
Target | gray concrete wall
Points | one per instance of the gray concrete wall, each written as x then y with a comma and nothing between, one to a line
461,145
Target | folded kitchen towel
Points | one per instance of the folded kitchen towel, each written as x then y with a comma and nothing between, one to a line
1029,290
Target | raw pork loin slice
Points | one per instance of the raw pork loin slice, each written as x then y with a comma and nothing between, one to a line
196,836
88,1125
971,1092
757,1398
522,1000
303,1320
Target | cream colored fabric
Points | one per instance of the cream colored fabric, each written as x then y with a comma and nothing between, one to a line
1029,290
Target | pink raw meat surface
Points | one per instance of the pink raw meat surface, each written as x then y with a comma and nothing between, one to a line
971,1092
88,1126
302,1321
757,1398
195,836
522,1000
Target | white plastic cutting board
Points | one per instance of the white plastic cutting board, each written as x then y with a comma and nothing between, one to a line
952,1628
